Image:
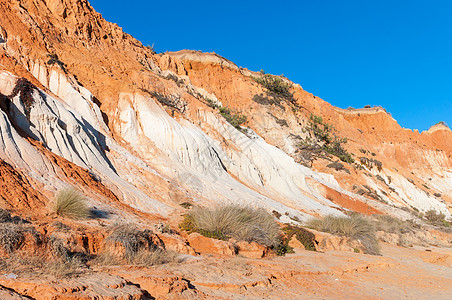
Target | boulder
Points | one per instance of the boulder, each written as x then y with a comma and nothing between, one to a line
251,250
175,243
205,245
328,242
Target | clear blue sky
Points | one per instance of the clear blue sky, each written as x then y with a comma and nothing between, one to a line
397,54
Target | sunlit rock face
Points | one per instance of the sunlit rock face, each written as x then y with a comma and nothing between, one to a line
147,127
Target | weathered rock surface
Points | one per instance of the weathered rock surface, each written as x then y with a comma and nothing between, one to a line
84,104
204,245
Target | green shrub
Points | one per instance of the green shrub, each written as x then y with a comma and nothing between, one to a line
354,227
283,248
275,84
69,203
186,205
304,236
235,119
233,221
324,135
436,218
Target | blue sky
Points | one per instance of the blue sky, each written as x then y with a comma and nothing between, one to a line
397,54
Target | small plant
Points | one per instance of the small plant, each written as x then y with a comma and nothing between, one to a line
138,246
24,89
235,119
130,238
69,203
151,48
11,236
186,205
63,263
171,100
324,138
53,59
283,248
275,84
5,216
63,268
355,227
163,228
175,78
233,221
436,218
338,167
304,236
391,224
154,256
277,214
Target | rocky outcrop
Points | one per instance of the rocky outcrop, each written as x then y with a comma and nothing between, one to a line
142,135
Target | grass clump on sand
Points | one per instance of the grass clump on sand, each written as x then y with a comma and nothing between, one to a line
54,259
234,221
392,224
355,227
137,246
70,203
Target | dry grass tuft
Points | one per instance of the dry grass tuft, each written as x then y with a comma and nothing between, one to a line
60,263
130,238
63,267
233,221
138,248
5,216
392,224
155,256
11,236
355,227
70,203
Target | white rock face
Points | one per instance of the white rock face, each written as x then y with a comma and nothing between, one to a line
417,197
71,93
66,133
272,179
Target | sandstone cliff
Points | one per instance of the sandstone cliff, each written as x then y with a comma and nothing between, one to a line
84,104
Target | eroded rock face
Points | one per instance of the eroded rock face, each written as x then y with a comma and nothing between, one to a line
204,245
3,35
251,250
84,104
